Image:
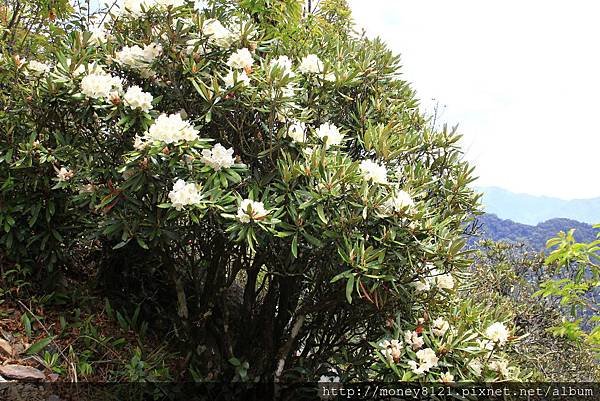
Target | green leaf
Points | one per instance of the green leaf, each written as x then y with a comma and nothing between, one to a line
38,346
349,288
26,324
321,213
295,246
142,243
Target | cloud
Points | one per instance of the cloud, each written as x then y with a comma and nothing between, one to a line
521,78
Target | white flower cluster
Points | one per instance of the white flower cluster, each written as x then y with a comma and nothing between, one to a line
100,85
436,279
476,366
329,134
250,210
37,68
233,77
329,379
284,64
399,202
218,157
311,64
297,131
136,98
217,34
439,327
391,349
184,194
497,333
413,339
447,377
427,360
64,174
500,366
200,5
169,129
372,171
241,58
138,58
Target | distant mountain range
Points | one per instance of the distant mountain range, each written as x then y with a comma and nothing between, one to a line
497,229
529,209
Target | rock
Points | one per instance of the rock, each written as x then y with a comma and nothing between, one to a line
6,347
19,372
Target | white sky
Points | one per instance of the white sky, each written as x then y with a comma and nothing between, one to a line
521,78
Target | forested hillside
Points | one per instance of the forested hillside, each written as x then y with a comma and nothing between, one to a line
535,236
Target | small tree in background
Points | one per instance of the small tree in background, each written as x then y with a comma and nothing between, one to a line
575,286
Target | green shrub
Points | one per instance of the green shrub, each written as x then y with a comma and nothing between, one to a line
273,169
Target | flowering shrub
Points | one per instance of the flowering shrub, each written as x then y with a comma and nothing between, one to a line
272,167
458,346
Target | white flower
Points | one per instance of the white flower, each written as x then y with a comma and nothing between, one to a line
485,344
329,379
311,64
391,349
373,172
139,59
500,366
200,5
64,174
250,210
217,33
427,360
99,85
242,58
297,131
400,201
184,194
447,377
435,278
414,366
475,366
330,77
170,129
444,281
98,36
152,51
233,77
284,63
413,339
138,99
218,157
427,356
139,143
497,333
37,68
421,286
439,327
331,132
